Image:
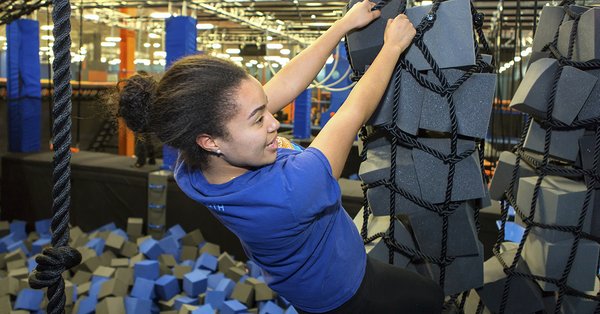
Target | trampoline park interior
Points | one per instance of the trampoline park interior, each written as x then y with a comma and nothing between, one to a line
479,169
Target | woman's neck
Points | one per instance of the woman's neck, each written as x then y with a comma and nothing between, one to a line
219,171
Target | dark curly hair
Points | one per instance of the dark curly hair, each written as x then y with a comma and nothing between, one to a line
194,96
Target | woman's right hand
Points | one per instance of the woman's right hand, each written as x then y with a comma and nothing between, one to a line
399,32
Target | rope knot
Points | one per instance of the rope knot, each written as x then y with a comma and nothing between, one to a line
51,264
478,19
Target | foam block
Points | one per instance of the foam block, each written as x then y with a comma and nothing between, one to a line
115,242
151,249
364,44
181,270
521,288
112,305
96,285
450,39
262,292
146,269
560,202
40,244
143,289
472,100
170,246
29,299
113,288
86,305
548,259
207,261
573,304
226,285
81,277
189,253
563,144
377,248
587,41
225,261
210,248
244,293
195,282
103,271
590,108
533,94
503,175
167,260
235,273
4,228
377,167
42,227
550,19
97,244
214,279
205,309
410,102
193,238
135,305
125,275
17,229
215,298
462,234
271,308
129,249
119,262
166,287
185,300
253,269
176,232
432,173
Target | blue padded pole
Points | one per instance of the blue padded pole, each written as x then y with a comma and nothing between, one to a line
302,107
23,85
180,41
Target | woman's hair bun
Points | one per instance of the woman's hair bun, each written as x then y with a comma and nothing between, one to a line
136,95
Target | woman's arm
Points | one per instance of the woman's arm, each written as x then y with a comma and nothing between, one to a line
336,138
292,79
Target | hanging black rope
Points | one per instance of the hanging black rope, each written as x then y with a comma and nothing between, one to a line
398,137
60,257
544,168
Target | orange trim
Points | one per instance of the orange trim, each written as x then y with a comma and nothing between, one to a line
126,69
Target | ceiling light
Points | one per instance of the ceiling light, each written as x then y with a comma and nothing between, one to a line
108,44
154,36
314,4
160,15
313,16
223,55
147,45
48,37
274,46
160,54
330,60
47,27
248,64
92,17
253,61
103,60
260,66
269,37
318,24
204,26
216,46
517,59
113,39
233,51
237,59
156,45
284,52
280,22
275,65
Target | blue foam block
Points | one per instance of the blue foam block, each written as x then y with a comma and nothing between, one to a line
214,279
195,282
87,305
31,264
170,246
108,227
283,302
188,262
151,249
96,285
215,299
176,232
137,306
120,232
5,242
96,244
205,309
18,245
97,278
29,299
270,308
185,300
207,261
233,307
226,285
38,245
243,278
42,227
143,288
291,310
166,287
253,269
146,269
17,228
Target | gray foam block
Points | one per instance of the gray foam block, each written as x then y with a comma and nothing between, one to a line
225,261
573,304
409,102
377,167
244,293
472,303
548,259
364,44
586,154
560,201
550,19
112,305
377,248
591,107
134,226
114,288
462,234
595,224
432,173
125,275
450,39
521,289
503,175
564,145
129,249
464,273
533,94
180,270
189,253
193,238
210,248
472,100
587,39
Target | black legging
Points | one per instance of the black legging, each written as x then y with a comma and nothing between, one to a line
389,289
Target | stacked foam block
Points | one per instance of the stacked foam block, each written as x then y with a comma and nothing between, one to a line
560,199
127,272
425,116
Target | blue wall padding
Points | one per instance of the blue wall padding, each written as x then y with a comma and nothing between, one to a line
337,98
24,89
302,107
180,41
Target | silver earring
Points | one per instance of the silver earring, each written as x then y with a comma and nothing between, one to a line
219,152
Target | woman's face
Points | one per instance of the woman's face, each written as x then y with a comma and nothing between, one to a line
253,129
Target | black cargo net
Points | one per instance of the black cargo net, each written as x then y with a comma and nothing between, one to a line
543,168
11,10
398,137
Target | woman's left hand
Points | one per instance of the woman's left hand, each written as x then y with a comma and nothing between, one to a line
360,15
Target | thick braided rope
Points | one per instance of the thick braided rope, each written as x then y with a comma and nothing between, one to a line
54,261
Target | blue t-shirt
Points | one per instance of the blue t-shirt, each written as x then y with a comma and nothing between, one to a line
290,221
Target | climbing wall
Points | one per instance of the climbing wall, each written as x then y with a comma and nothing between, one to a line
422,149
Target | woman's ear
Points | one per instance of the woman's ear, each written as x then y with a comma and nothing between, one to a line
207,142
